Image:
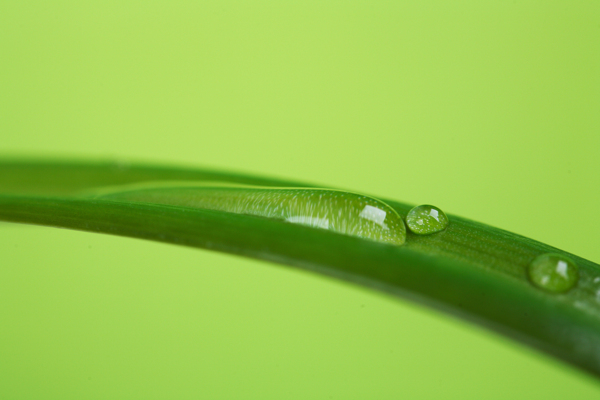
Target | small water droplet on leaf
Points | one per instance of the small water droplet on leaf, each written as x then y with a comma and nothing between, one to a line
553,272
426,219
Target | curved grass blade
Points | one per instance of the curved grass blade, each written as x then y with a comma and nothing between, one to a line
69,177
471,270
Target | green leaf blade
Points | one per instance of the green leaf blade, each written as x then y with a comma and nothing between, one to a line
470,270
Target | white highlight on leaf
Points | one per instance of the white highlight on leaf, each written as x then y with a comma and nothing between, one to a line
561,269
322,223
374,214
435,214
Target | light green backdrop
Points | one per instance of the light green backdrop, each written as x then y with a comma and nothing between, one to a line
488,109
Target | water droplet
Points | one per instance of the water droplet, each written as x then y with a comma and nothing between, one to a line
426,219
341,212
553,272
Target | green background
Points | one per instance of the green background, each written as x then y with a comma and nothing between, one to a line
487,109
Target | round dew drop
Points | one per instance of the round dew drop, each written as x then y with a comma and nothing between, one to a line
426,219
553,272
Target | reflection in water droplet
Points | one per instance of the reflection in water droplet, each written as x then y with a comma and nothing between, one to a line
341,212
553,272
426,219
